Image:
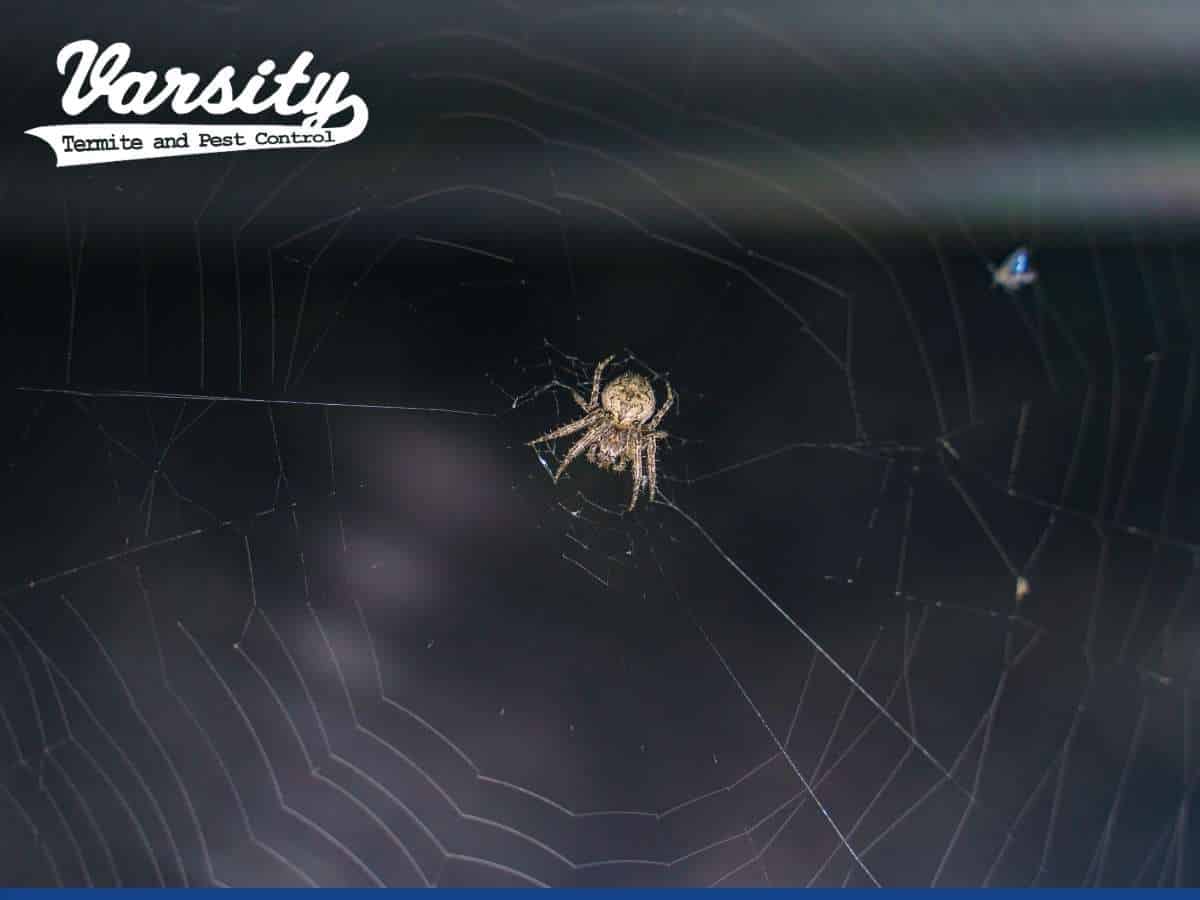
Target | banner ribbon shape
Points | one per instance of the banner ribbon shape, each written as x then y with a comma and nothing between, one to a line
91,144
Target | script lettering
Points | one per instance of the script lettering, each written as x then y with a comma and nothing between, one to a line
100,75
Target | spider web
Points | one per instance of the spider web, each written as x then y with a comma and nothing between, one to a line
286,600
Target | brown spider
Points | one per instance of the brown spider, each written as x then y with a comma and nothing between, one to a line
621,426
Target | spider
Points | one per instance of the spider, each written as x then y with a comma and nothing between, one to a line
621,425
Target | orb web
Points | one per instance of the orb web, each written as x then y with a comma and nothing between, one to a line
288,601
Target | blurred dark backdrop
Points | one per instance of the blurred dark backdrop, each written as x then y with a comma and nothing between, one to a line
305,641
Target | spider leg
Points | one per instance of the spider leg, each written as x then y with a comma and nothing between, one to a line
596,380
637,475
593,434
571,428
582,403
662,411
652,463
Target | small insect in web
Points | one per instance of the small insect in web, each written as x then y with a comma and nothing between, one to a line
1014,273
620,429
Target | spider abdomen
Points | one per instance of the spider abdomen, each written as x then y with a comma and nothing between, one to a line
629,398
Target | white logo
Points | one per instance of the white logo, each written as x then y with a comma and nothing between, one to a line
100,76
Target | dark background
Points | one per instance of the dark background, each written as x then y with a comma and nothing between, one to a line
307,642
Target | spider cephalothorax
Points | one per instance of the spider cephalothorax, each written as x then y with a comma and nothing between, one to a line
621,429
